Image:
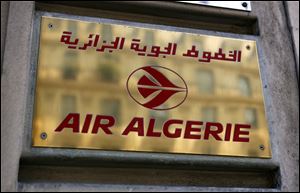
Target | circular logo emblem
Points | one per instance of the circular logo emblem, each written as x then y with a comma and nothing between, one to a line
157,87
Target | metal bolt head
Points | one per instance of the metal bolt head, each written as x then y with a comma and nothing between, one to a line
43,135
244,4
262,147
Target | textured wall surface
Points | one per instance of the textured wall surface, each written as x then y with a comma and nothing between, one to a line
4,15
292,8
14,87
282,85
281,92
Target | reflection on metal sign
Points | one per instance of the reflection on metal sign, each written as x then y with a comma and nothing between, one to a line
115,87
239,5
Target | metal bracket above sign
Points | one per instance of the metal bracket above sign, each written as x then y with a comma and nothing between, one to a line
239,5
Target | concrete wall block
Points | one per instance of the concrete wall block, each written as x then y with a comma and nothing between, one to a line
14,84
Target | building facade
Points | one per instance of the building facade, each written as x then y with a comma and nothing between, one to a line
25,168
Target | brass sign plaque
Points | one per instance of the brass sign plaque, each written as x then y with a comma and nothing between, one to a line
115,87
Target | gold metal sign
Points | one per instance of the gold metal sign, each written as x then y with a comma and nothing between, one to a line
115,87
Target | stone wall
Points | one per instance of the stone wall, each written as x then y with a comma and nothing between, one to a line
24,168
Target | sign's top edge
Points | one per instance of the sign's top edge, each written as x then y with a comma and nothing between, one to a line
149,28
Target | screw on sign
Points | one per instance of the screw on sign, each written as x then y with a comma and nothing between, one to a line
155,88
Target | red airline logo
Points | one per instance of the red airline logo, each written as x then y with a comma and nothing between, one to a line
155,89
